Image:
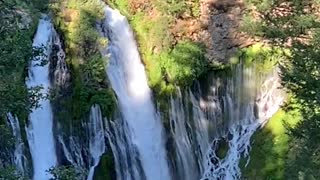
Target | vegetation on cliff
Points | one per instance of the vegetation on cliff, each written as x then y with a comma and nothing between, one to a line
18,23
293,25
76,21
169,60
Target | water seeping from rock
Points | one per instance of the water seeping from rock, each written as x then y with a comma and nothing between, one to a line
96,138
39,131
19,158
141,126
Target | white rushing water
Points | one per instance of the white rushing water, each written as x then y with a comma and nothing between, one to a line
39,131
267,99
96,138
20,160
186,161
230,111
128,79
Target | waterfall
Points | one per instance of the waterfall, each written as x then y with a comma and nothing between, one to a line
20,160
267,101
185,158
230,110
39,131
96,138
126,156
60,74
128,80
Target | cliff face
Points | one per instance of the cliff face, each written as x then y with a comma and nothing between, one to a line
222,20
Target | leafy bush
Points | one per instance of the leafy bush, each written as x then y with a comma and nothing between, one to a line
184,63
251,26
263,57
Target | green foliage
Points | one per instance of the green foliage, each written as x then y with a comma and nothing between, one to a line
105,168
184,63
89,83
7,142
106,99
270,147
168,63
177,65
272,25
299,157
177,8
16,51
122,5
10,173
301,77
66,173
263,57
251,26
260,5
172,7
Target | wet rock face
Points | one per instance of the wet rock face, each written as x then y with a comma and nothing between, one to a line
222,36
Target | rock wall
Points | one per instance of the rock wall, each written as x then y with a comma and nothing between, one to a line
221,20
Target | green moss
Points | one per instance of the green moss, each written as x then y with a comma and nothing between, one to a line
222,149
105,170
270,147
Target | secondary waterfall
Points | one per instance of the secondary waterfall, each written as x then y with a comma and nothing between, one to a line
142,125
252,107
19,159
229,110
39,131
96,138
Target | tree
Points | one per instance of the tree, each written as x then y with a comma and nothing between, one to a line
66,173
10,173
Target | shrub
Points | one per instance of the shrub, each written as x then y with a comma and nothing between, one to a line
184,63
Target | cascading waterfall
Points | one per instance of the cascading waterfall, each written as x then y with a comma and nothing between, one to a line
96,138
128,79
185,158
231,111
267,101
126,156
20,160
39,131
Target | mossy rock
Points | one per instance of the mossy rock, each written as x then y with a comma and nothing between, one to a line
222,148
106,168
